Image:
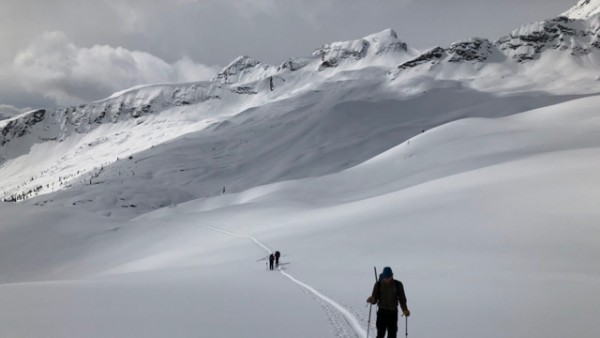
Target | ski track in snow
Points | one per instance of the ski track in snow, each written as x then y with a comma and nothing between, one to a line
326,302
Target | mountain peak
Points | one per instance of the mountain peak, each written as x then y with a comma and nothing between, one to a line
239,69
386,33
583,10
372,46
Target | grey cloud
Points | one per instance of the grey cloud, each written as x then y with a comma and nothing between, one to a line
8,111
56,68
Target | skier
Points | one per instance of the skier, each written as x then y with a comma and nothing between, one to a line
387,293
271,259
277,255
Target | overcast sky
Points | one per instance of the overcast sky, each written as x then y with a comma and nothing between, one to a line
66,52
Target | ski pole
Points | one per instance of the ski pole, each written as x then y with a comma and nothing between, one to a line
406,326
371,306
369,323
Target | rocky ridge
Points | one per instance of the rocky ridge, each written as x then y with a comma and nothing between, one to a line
575,36
576,32
57,124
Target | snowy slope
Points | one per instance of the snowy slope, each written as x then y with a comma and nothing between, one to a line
584,9
465,210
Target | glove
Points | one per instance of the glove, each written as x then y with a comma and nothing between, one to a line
371,300
406,313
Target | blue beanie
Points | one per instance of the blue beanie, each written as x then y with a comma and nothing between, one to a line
387,272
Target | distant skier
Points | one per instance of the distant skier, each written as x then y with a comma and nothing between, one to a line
277,255
387,293
271,83
271,260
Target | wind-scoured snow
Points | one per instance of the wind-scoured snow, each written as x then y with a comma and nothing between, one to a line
471,170
584,9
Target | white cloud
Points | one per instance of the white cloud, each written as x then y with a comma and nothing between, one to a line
187,70
55,67
8,111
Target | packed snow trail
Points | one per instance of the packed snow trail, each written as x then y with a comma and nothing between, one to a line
350,319
237,235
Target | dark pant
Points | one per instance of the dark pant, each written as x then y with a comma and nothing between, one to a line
387,320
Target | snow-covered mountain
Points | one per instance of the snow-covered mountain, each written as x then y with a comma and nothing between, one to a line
315,115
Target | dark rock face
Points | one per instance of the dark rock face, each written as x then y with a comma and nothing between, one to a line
331,55
294,64
432,56
239,65
343,51
477,50
245,90
562,33
397,46
20,127
575,36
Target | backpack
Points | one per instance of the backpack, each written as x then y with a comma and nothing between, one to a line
399,291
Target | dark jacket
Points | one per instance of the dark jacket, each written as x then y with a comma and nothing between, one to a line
389,295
